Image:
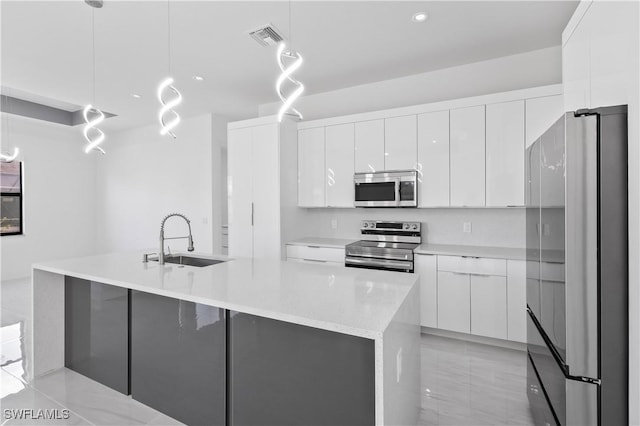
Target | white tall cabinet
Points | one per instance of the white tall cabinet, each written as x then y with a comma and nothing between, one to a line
260,153
467,150
505,154
339,159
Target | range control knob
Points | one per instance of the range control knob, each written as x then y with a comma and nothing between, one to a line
372,224
365,224
405,226
414,226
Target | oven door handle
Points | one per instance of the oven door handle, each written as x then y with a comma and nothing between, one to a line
397,186
379,262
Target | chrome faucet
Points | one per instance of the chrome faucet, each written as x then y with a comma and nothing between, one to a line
162,237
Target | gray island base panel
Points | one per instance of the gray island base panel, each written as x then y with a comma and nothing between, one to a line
379,309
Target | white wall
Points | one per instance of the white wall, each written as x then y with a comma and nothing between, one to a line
531,69
59,196
145,176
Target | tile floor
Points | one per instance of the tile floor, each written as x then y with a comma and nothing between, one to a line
463,383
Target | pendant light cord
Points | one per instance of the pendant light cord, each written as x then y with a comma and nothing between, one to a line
169,36
93,53
290,31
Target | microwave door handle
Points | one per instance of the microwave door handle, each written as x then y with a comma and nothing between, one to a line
397,191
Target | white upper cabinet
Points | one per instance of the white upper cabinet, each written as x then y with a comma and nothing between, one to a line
598,52
369,146
467,150
400,143
540,114
575,70
339,158
311,169
505,154
433,159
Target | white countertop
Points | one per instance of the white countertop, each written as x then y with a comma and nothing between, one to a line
479,251
322,242
359,302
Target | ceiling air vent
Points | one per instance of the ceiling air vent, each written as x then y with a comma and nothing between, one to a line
266,35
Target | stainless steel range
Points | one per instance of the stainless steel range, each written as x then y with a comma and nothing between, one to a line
384,245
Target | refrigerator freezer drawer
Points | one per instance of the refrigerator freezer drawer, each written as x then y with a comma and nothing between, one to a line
575,403
538,404
550,373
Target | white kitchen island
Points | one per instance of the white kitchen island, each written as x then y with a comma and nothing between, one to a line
377,306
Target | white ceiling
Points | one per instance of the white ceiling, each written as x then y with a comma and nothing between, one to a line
46,47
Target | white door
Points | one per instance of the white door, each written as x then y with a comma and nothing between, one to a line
239,183
265,155
454,299
540,114
369,146
311,170
400,143
426,267
467,147
433,159
505,154
517,300
489,306
339,157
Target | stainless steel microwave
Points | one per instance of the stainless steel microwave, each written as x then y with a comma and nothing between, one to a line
386,189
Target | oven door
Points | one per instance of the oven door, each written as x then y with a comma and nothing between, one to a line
376,263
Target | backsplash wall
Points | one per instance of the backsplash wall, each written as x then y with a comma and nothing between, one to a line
500,227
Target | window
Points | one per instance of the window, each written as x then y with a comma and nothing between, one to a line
11,207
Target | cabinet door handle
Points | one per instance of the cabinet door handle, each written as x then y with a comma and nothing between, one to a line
460,273
313,246
315,260
251,214
470,257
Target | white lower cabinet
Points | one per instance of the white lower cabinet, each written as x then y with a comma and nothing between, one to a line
517,300
489,306
454,302
426,266
315,254
474,295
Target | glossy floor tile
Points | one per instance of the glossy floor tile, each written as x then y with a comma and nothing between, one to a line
463,383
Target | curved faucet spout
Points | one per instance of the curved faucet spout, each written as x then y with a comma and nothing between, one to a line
162,237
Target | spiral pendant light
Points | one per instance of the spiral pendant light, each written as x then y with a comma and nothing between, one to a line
92,115
167,116
289,61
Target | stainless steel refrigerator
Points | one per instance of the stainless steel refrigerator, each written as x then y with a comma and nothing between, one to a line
577,270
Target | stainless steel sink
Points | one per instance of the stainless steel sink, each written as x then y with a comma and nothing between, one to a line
191,260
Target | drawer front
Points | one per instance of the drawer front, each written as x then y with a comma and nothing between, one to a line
315,262
326,254
473,265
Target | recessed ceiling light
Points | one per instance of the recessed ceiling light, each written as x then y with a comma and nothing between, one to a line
419,17
198,78
135,95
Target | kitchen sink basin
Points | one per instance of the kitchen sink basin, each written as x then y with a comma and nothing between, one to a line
191,261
